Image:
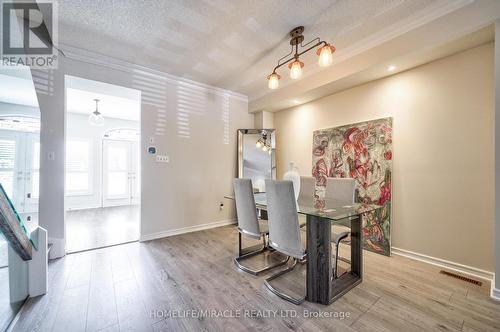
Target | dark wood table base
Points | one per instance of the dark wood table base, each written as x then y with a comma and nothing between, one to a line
320,286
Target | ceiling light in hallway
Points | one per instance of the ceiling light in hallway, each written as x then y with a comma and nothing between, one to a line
96,118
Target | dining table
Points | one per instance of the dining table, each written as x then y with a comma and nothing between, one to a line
321,215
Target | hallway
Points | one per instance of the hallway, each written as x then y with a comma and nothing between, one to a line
95,228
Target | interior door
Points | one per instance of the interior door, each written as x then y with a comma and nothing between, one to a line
12,173
116,173
32,167
135,173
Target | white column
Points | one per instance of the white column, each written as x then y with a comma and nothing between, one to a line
495,291
264,120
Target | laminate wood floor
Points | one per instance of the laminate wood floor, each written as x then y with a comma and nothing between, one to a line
95,228
132,287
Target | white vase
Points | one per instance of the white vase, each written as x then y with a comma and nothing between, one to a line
293,175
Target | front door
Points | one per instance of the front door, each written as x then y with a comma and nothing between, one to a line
121,180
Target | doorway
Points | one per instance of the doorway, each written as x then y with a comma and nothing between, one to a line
121,174
103,178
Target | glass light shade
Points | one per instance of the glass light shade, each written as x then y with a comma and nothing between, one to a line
96,119
269,151
296,69
273,81
325,54
258,144
264,148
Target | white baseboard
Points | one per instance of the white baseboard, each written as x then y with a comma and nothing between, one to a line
58,247
495,292
457,267
189,229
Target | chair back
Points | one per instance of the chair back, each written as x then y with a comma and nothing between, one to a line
341,190
284,232
307,189
248,221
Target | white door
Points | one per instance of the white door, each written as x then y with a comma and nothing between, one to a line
116,173
12,167
32,167
19,169
135,173
121,173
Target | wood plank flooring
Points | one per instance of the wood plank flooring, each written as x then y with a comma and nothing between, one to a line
127,287
96,228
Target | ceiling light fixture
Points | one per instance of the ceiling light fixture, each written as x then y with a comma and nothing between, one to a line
325,56
96,118
264,142
391,68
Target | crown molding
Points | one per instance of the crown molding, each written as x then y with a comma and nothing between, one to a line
90,57
390,32
400,28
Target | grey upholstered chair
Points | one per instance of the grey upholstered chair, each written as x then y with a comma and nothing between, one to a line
284,231
306,195
307,188
342,192
249,225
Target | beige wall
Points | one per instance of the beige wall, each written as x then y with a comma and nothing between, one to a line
443,186
263,120
194,124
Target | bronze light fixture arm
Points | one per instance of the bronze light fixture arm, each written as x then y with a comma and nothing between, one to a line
299,48
284,57
317,39
297,54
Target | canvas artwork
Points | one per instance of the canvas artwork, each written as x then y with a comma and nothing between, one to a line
362,151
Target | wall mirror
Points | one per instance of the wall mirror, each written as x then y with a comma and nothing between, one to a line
256,156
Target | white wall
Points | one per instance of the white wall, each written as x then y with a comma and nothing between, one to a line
78,127
194,124
443,180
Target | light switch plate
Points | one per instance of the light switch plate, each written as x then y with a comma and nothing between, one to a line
162,159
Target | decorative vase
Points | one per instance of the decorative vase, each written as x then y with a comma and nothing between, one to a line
293,175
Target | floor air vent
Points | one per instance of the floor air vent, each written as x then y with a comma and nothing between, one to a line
456,276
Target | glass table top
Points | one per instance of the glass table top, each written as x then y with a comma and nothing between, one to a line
324,208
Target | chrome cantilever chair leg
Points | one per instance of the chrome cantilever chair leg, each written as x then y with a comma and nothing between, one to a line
241,256
281,294
337,258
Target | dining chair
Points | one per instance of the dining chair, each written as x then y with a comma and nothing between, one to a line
284,230
307,188
250,226
342,191
306,195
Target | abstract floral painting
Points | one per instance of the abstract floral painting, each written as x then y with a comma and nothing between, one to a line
362,151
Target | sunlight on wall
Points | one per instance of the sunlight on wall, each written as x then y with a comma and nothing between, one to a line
153,93
190,101
43,81
225,118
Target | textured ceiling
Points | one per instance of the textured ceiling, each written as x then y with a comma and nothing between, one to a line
232,44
